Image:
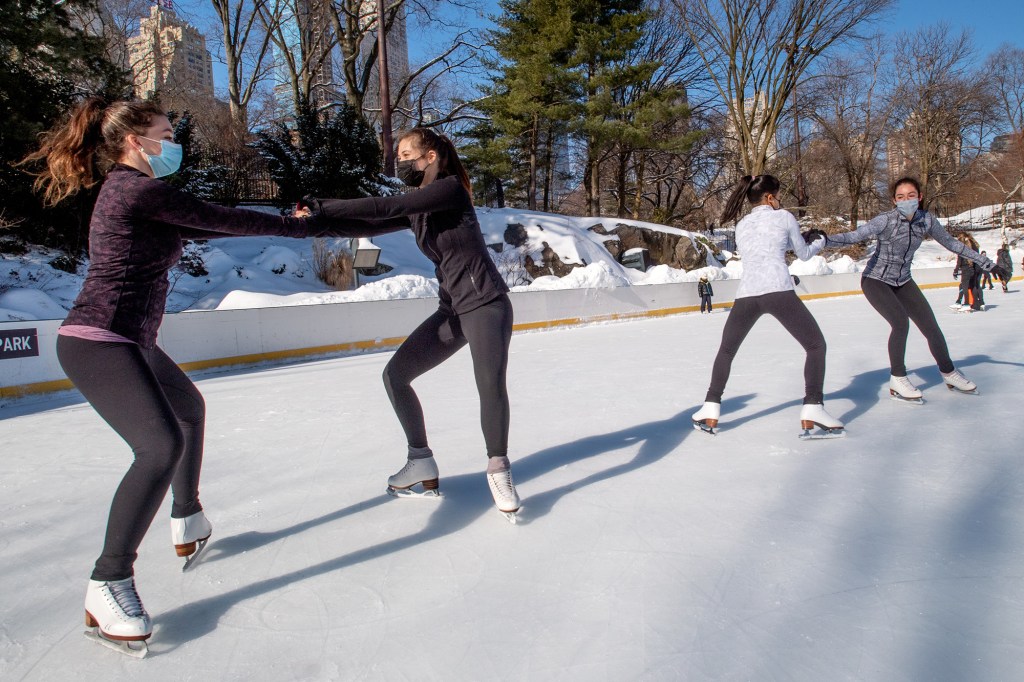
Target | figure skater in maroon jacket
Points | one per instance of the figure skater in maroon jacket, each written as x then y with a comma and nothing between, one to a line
107,344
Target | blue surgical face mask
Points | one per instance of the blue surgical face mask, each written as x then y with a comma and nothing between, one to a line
907,207
168,161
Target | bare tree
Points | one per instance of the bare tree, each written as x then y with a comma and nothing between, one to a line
300,30
944,106
756,52
246,42
1005,67
853,112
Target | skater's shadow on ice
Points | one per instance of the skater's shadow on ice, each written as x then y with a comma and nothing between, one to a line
656,440
464,503
225,548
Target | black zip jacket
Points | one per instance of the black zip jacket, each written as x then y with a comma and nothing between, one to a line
442,217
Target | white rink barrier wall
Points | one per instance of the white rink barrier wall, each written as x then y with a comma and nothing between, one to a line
202,340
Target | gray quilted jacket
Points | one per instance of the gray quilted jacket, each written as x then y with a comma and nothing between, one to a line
898,240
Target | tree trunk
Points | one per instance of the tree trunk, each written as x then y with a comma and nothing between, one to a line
638,196
531,181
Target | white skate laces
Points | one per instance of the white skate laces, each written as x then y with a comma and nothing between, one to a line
421,470
115,608
503,490
901,386
957,381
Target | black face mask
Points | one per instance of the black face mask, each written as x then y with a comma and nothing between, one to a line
407,172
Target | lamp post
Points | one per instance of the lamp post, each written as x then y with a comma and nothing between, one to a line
365,255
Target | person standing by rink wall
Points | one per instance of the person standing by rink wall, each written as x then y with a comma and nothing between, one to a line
762,239
890,289
705,292
107,345
474,307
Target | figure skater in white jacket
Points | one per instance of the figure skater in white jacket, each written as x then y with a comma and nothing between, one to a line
762,239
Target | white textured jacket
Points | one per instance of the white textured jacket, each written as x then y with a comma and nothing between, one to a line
762,239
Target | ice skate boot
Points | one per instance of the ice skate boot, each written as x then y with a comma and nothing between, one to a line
421,471
115,613
706,419
190,536
503,490
901,390
955,381
814,415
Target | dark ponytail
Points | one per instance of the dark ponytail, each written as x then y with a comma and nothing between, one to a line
753,190
448,162
79,152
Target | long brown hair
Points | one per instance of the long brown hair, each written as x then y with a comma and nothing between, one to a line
753,190
80,151
448,162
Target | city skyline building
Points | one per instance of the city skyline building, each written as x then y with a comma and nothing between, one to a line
169,59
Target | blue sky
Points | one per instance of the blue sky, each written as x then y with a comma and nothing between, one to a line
993,22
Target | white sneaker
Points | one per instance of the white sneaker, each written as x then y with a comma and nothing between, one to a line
707,415
503,490
115,608
421,470
902,388
958,382
815,415
186,532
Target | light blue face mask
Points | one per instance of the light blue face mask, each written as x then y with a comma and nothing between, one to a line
168,161
907,208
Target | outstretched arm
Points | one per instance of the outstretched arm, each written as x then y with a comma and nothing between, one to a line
198,219
865,231
441,195
939,234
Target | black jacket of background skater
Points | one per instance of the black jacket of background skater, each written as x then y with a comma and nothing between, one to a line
442,217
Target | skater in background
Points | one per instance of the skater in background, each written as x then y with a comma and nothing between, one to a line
890,289
107,345
474,306
970,291
705,292
1004,261
986,277
762,239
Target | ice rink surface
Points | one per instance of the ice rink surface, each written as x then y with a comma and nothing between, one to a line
646,550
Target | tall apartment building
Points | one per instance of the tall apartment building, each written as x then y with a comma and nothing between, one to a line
169,57
754,111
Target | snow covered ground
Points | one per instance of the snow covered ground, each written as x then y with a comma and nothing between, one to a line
266,271
647,551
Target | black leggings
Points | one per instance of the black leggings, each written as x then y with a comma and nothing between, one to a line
159,412
487,330
790,311
899,305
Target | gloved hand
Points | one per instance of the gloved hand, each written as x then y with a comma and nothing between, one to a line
1000,272
812,235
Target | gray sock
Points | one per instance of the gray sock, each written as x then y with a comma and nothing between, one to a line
420,453
497,464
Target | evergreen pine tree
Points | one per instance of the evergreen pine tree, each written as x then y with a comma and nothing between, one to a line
328,153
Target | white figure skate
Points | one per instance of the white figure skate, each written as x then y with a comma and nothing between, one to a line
901,390
190,536
955,381
812,416
706,419
503,490
115,613
422,472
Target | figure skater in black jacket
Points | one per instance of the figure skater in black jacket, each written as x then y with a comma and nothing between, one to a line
474,308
